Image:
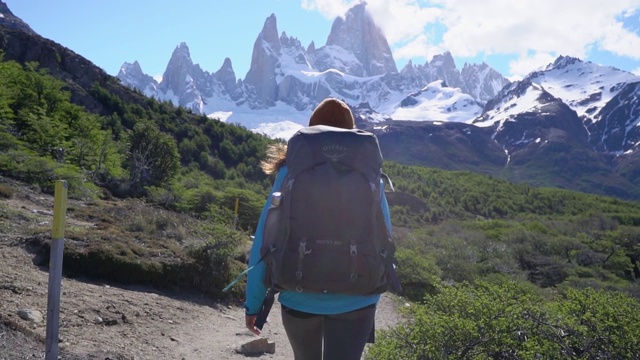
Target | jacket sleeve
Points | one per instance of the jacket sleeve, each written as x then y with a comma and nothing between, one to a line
256,290
385,211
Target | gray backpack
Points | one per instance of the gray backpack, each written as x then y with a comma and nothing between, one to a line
325,231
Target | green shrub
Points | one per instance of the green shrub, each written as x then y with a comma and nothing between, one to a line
593,324
464,322
212,261
6,191
418,274
508,320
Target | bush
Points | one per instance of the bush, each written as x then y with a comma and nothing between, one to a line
464,322
212,262
418,274
6,191
508,320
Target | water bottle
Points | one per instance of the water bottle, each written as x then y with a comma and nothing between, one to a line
276,197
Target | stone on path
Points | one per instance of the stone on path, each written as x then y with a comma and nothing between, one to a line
257,346
30,315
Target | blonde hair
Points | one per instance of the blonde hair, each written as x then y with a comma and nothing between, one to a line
276,156
330,112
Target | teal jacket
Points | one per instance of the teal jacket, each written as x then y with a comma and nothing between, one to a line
315,303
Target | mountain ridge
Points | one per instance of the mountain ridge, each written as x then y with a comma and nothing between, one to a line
529,131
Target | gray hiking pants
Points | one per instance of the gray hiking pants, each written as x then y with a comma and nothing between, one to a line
344,335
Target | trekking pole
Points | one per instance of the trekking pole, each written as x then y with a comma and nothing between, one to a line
261,319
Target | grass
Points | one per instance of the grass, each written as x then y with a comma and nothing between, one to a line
131,242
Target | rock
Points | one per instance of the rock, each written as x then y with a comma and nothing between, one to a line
30,315
111,322
257,347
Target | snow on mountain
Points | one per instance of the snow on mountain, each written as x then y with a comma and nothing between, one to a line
278,122
132,76
618,129
356,65
603,98
481,81
517,98
584,86
436,102
8,20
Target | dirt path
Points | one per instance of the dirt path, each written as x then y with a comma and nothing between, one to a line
99,321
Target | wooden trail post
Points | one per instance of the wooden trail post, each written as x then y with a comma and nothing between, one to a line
55,269
235,214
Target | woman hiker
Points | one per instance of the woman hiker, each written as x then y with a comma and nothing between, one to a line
319,326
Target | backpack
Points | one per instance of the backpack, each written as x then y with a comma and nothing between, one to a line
325,231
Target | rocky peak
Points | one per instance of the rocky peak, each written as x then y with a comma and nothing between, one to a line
8,20
132,76
482,81
358,34
266,52
408,70
311,48
269,34
181,54
562,62
444,60
178,68
131,69
444,67
226,76
183,79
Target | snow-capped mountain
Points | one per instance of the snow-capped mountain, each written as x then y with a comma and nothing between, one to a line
572,124
603,101
606,99
356,64
132,76
436,102
583,115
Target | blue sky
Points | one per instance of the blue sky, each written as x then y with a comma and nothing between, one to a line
514,37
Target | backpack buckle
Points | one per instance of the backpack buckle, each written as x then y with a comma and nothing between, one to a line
302,249
353,250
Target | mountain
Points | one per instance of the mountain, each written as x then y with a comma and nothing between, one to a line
10,21
572,124
356,64
133,76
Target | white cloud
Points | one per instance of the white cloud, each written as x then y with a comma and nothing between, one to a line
620,41
545,28
636,71
524,64
418,47
328,8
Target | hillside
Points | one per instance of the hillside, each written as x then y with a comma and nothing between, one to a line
105,319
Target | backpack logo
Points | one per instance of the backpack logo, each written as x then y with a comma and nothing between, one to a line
334,152
329,242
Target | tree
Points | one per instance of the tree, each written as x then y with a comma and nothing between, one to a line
153,156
